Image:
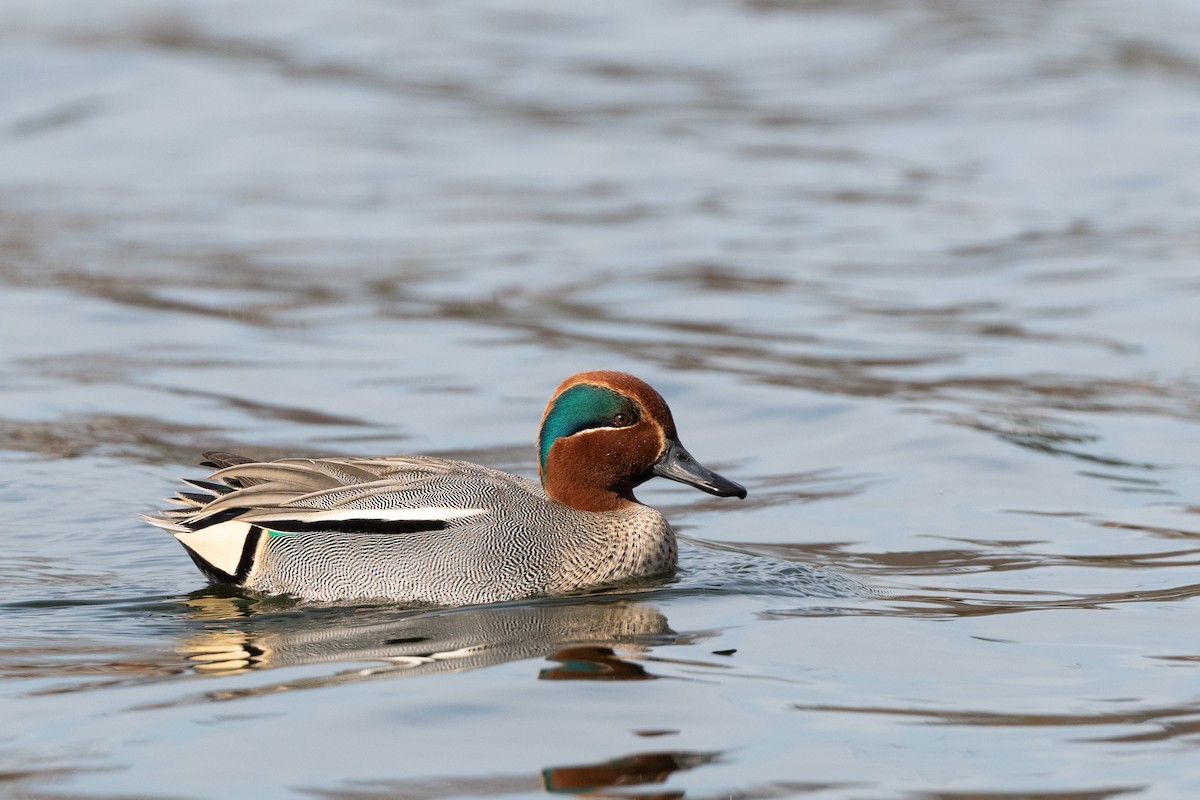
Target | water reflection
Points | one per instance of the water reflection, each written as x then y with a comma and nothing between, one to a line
641,775
618,777
605,636
590,663
1072,794
1167,722
590,640
635,770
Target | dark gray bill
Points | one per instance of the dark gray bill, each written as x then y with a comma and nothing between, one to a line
678,465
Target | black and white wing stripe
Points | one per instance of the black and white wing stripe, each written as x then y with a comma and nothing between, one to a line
239,507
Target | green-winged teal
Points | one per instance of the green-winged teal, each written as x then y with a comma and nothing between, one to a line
433,530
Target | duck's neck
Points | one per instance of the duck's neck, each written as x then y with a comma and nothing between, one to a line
587,498
570,480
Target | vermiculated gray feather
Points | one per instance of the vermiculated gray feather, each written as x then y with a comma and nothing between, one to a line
519,544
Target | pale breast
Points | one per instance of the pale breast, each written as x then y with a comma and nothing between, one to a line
632,543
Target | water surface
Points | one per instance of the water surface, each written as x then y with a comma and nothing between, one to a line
923,276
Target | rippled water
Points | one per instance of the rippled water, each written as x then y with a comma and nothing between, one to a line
925,276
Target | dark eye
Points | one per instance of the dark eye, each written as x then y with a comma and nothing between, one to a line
620,419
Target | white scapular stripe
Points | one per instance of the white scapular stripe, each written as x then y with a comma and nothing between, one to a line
220,545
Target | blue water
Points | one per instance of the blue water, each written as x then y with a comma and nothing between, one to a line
924,277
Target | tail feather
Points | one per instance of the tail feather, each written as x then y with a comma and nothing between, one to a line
301,477
212,488
166,524
178,513
264,495
225,520
219,459
223,547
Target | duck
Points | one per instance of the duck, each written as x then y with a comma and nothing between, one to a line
438,531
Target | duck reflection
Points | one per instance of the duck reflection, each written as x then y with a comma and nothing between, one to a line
615,778
588,638
635,770
592,663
